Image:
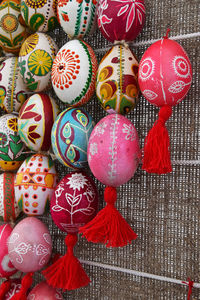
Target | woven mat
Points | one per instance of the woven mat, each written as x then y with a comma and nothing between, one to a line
163,210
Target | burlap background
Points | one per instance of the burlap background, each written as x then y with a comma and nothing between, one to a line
163,210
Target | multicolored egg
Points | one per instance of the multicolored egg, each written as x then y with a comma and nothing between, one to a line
74,72
12,31
35,182
77,18
30,245
165,73
113,150
74,202
11,145
15,287
70,135
36,118
13,91
6,267
39,15
116,84
9,209
121,20
43,291
35,61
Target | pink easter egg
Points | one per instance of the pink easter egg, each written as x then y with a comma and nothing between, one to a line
6,267
121,20
74,202
14,289
43,291
165,73
113,150
29,245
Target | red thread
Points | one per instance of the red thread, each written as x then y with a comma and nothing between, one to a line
166,36
190,284
4,288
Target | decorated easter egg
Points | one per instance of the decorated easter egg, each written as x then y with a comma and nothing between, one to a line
74,202
70,135
77,18
116,84
165,73
35,61
6,267
113,150
121,20
35,182
39,15
74,72
29,245
12,31
15,286
11,146
43,291
13,91
36,118
9,209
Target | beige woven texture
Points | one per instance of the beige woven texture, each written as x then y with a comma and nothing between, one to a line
163,210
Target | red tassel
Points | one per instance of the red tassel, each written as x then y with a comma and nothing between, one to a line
4,288
157,145
190,284
26,284
66,272
109,227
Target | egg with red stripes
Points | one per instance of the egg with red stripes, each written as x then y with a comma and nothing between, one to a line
36,118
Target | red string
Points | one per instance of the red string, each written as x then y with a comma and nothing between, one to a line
190,284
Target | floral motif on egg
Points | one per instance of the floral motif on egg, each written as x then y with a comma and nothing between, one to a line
29,44
9,23
40,62
35,3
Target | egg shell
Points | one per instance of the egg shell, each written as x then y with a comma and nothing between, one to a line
11,146
165,73
12,31
70,135
121,20
116,85
35,182
113,150
9,209
6,267
74,202
13,91
39,15
35,61
30,245
35,121
14,289
77,18
43,291
74,72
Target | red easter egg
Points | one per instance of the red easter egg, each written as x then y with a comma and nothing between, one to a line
121,20
14,289
6,267
43,291
165,73
74,202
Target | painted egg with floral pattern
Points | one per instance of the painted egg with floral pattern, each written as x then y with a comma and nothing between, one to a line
121,20
70,135
30,245
113,150
13,91
6,267
74,202
165,73
15,286
39,15
77,18
116,84
74,73
12,30
43,291
9,209
35,183
11,145
35,61
35,121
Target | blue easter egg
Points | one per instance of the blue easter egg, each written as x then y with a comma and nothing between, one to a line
70,135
